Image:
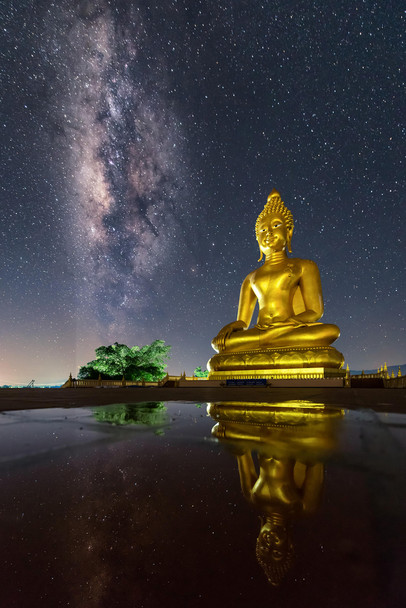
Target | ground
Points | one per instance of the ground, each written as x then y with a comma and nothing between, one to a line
382,400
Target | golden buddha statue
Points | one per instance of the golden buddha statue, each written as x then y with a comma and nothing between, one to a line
288,333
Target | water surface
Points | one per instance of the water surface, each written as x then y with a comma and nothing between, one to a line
149,506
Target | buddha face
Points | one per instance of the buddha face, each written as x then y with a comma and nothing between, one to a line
273,234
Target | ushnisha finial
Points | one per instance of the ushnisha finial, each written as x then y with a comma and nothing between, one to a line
274,195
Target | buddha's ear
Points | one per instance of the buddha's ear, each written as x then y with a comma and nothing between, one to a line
262,253
289,239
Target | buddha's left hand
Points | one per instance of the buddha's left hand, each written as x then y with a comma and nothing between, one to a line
294,321
288,321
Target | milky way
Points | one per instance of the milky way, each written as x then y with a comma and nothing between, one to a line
140,142
123,149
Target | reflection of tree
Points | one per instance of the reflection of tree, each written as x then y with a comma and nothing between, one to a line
150,413
279,451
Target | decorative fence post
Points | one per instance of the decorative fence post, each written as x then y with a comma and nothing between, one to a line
347,377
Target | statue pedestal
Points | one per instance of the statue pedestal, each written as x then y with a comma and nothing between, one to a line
274,363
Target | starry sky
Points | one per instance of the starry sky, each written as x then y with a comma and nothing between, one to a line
139,143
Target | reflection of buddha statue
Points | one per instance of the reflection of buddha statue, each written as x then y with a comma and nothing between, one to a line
288,291
286,484
282,490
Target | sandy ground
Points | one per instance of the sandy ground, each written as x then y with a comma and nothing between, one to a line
379,399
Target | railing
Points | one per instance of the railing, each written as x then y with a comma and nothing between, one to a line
107,383
394,382
398,382
383,375
387,381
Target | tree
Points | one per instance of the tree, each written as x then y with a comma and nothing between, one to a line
89,372
134,363
199,373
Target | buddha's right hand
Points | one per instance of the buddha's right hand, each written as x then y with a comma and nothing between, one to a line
219,342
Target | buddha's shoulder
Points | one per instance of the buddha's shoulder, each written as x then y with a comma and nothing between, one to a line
251,275
304,264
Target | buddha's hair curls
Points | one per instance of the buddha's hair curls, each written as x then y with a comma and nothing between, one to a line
275,568
275,204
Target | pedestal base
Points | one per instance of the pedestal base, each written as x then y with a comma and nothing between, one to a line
285,362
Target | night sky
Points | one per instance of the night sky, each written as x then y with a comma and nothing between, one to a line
139,143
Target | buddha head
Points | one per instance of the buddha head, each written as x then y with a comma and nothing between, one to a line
274,226
274,548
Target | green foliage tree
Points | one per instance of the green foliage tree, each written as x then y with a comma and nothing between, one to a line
199,373
87,371
134,363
